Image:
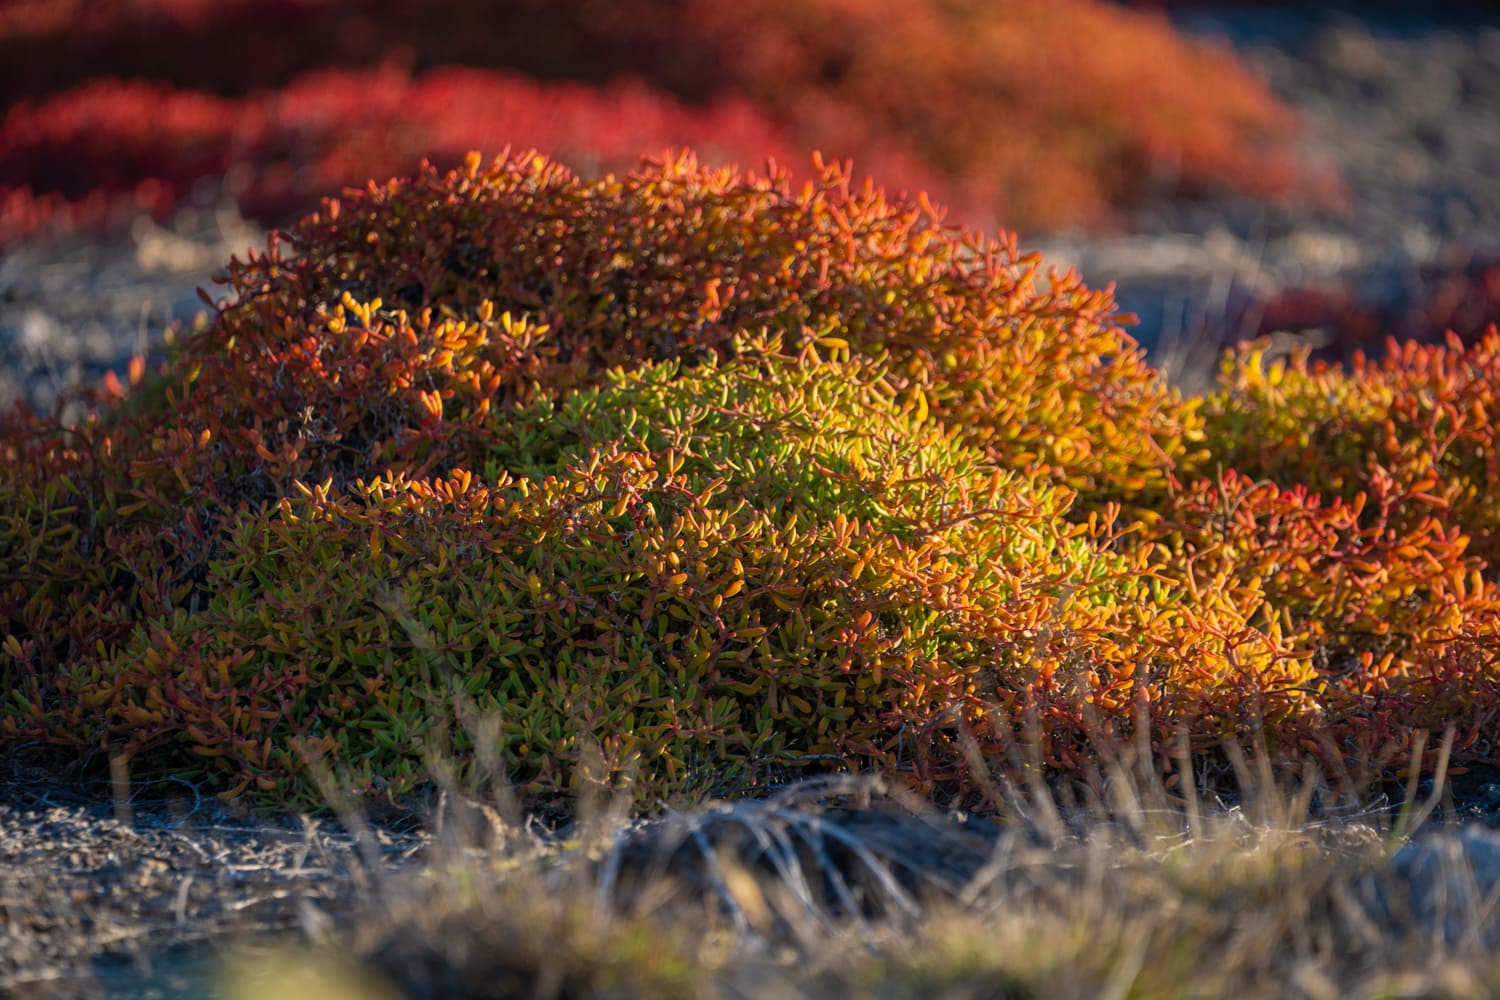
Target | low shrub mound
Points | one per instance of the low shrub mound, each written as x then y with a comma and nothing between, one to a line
700,477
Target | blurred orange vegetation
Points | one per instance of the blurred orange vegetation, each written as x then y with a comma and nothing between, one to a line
1026,114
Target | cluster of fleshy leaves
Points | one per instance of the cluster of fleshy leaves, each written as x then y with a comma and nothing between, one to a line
712,474
1417,424
1378,595
1032,113
1354,507
392,333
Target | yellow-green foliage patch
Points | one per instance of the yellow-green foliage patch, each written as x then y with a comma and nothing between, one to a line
708,575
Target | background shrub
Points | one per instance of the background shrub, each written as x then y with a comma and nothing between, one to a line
1028,113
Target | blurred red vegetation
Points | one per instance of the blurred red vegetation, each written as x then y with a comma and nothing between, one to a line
1463,298
111,147
1031,113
